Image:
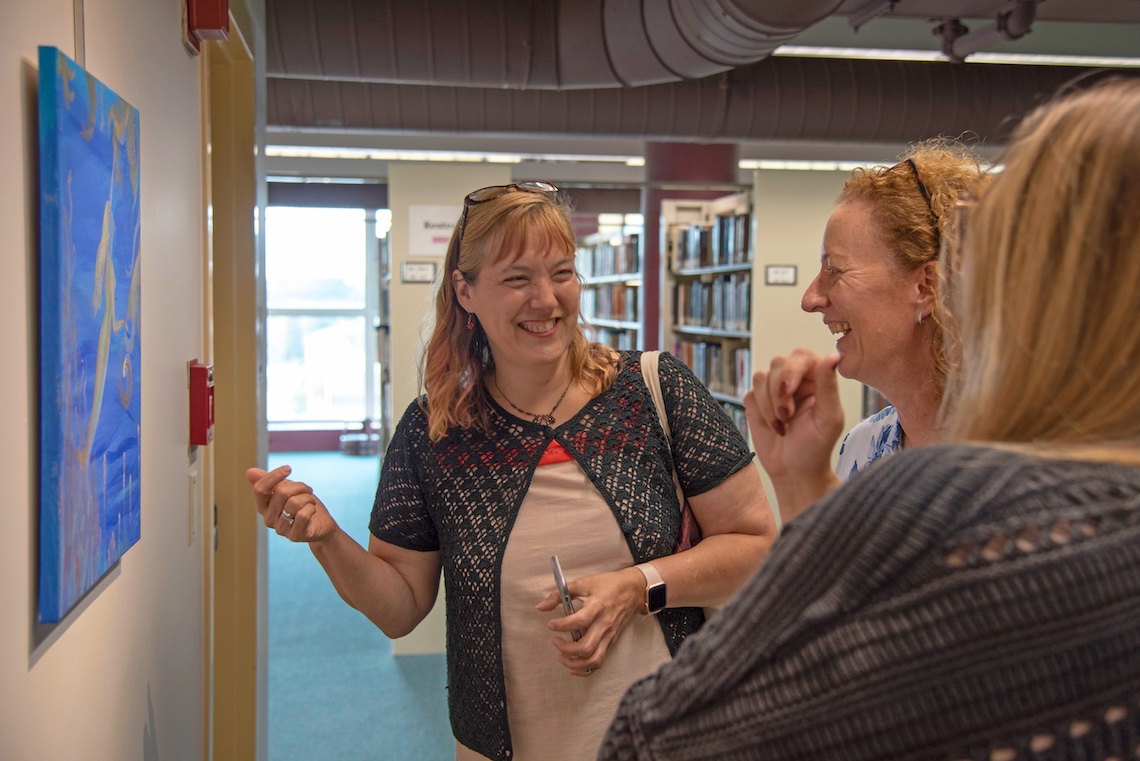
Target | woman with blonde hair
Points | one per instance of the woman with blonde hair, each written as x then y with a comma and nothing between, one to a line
877,292
978,599
531,442
1048,318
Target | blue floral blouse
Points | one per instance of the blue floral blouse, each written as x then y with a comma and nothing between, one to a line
870,440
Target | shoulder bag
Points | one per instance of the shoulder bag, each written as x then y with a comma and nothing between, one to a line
690,529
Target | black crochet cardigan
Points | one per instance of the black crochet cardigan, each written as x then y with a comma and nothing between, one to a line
461,495
946,603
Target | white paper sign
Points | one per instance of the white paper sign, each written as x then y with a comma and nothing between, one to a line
429,229
780,274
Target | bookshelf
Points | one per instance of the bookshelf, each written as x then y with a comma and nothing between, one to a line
609,264
707,293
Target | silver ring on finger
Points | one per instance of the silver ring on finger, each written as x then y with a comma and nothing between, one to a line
587,672
287,517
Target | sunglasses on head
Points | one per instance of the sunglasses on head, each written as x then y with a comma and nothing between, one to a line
925,196
917,178
491,192
494,191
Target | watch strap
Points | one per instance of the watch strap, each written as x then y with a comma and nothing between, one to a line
652,580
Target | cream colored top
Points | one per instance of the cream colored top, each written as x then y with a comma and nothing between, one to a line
553,715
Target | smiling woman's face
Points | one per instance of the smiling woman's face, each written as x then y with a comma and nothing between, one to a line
866,301
527,304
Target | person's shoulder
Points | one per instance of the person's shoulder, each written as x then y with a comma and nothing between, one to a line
974,463
672,373
885,416
977,484
949,456
672,366
910,480
416,410
867,429
625,358
970,457
414,420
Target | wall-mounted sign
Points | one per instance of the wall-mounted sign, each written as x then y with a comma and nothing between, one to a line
418,272
780,274
429,229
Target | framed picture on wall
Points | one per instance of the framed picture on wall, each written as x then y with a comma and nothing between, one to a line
90,341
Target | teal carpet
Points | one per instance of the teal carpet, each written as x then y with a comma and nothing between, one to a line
335,689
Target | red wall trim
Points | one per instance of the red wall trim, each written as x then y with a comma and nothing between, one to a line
305,441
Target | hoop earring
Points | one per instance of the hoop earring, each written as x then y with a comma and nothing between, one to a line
471,321
920,317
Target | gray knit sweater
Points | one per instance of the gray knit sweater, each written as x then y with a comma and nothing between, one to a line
948,603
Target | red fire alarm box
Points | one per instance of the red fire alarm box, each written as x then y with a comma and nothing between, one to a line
201,403
208,19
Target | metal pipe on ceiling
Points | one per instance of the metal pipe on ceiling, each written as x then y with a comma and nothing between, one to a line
542,44
779,98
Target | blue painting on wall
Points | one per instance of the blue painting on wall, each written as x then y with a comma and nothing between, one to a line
89,331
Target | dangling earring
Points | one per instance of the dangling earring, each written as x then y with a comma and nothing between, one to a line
471,321
920,317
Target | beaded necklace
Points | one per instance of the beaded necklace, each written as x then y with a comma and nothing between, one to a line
548,418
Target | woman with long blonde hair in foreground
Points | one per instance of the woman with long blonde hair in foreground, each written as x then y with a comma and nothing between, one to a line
977,599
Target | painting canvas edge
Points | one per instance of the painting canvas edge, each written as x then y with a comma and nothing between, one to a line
50,420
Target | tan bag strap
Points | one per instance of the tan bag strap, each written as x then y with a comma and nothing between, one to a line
649,362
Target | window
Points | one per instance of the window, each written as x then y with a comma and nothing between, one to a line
322,296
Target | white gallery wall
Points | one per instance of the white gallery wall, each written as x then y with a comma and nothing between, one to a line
122,676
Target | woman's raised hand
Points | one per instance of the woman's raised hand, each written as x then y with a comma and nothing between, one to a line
795,417
290,507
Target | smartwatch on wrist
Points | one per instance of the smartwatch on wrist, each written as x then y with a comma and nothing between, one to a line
655,590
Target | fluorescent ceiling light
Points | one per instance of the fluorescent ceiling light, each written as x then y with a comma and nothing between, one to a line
803,166
887,54
320,180
378,154
823,166
321,152
1055,60
586,157
873,54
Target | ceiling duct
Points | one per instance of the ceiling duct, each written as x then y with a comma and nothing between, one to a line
778,98
540,44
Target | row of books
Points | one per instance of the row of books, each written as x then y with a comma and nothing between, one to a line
724,303
606,258
616,338
725,241
611,301
724,369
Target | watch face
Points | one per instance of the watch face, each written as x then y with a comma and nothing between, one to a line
655,597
